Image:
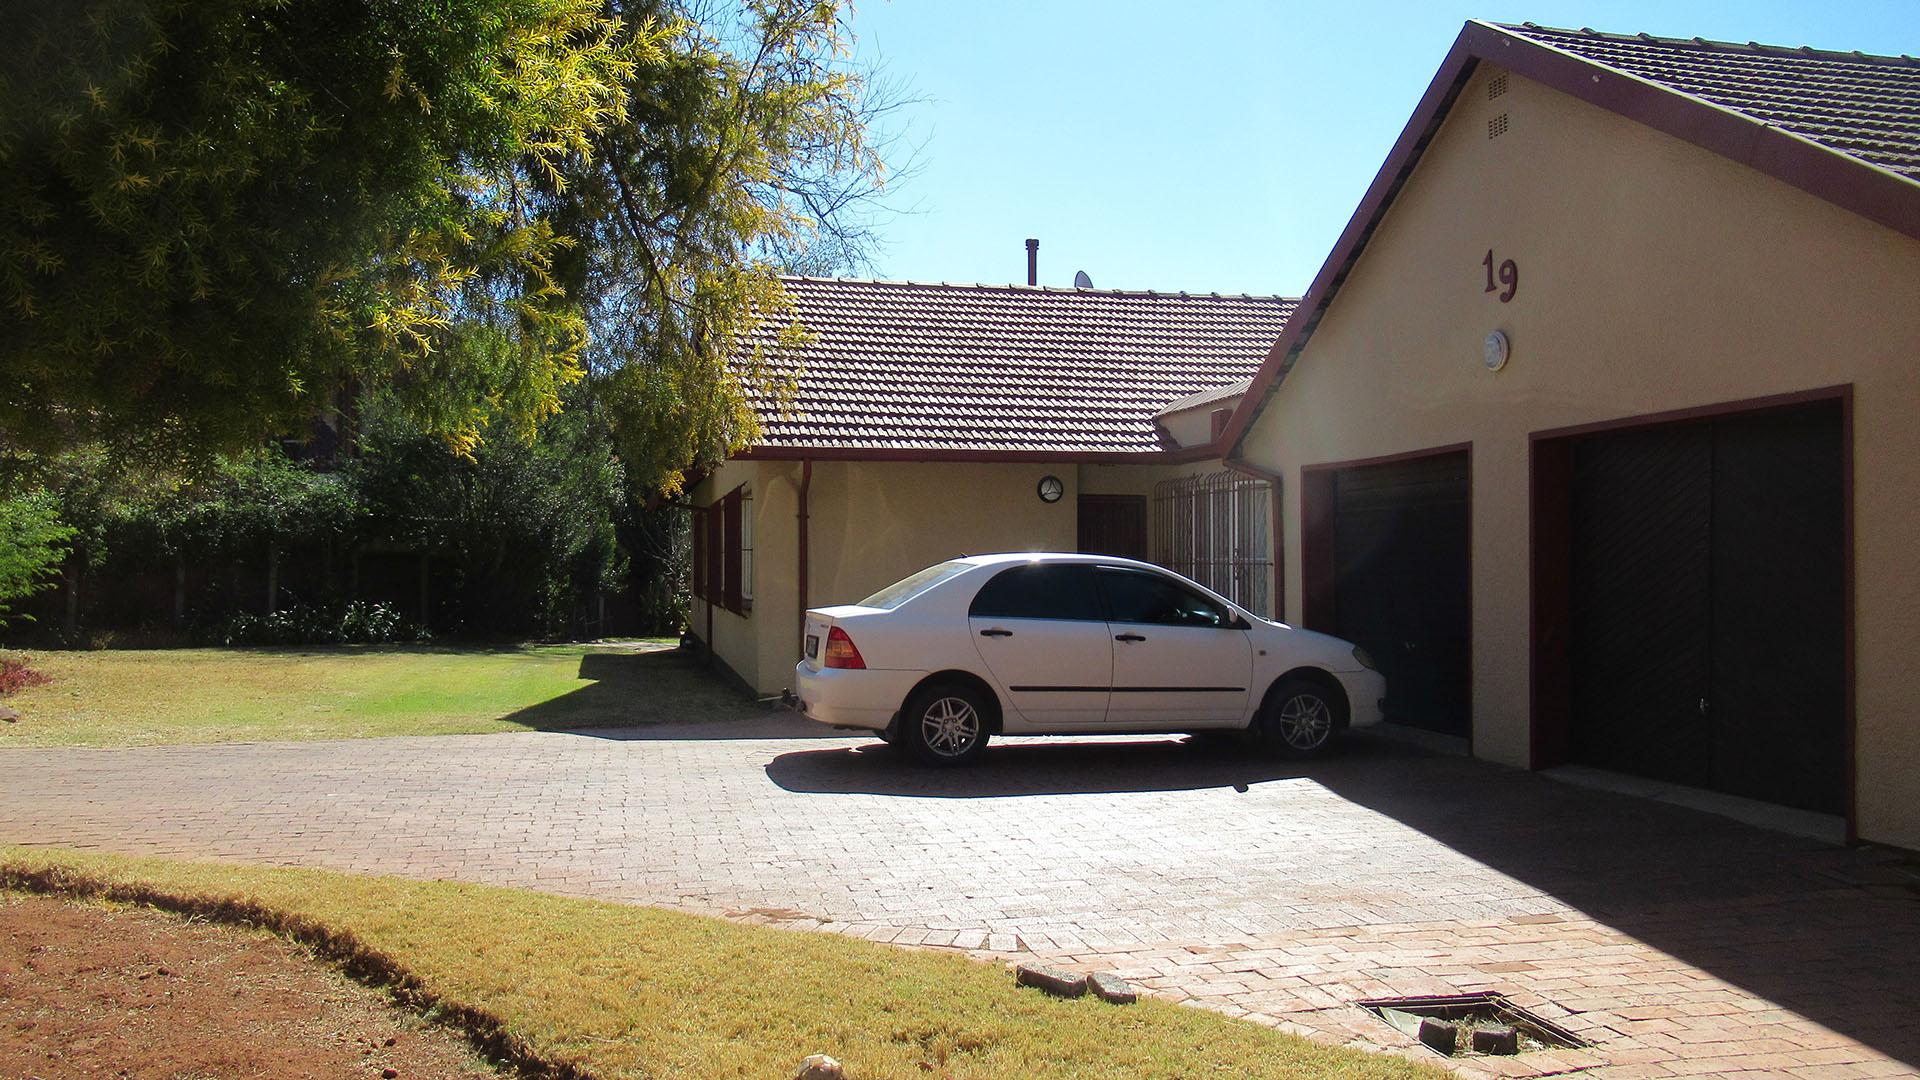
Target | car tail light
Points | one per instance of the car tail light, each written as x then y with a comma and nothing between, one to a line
841,652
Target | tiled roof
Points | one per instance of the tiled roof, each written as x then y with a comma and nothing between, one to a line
1858,104
899,366
1207,397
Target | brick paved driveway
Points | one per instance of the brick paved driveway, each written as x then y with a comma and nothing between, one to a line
1676,942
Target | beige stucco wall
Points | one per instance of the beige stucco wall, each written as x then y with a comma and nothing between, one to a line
1653,276
871,524
1194,427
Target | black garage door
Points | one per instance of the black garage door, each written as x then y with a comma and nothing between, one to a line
1708,605
1400,582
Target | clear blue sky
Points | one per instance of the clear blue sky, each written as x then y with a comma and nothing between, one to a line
1214,145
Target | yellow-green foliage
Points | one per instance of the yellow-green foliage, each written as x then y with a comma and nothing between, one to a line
156,696
621,991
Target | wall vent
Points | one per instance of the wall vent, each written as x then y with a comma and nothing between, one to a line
1496,86
1497,126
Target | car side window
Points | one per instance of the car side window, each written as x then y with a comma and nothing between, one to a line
1138,596
1040,591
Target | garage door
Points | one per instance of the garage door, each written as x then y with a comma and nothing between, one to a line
1708,605
1400,582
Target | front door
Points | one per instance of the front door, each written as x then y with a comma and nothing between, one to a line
1114,525
1179,656
1042,633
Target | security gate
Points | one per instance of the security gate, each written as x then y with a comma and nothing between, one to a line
1217,528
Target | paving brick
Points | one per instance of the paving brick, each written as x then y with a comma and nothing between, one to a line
1679,943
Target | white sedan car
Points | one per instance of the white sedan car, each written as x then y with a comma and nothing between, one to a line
1072,644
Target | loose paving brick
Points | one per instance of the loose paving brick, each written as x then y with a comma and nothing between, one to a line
1674,942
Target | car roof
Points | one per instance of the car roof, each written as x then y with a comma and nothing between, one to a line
1004,558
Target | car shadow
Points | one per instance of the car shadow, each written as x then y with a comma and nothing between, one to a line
1057,766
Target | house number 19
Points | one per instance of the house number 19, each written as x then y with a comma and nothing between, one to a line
1509,273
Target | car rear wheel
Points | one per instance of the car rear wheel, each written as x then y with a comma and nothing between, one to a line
1300,718
945,724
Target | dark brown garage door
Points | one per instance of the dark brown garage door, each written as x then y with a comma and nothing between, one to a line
1708,604
1400,582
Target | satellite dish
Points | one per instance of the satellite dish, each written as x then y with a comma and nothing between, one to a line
1081,280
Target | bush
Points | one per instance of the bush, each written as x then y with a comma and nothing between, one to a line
358,623
17,673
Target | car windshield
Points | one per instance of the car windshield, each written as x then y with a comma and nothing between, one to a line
909,587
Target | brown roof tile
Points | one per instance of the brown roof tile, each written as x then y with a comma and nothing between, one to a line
900,366
1858,104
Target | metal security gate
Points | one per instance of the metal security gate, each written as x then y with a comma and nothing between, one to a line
1217,528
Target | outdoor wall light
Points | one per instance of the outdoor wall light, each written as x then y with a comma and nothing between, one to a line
1051,489
1496,349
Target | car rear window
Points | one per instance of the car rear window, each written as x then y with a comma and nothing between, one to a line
909,587
1041,591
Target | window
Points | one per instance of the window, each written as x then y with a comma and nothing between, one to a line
1217,528
1041,591
1139,596
909,587
723,551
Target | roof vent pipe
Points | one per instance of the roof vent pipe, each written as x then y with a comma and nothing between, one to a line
1033,261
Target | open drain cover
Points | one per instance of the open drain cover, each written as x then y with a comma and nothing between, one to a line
1469,1025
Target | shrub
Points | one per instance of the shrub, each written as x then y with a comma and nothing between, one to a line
358,623
17,673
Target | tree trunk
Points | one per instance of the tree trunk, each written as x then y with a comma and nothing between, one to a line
273,579
179,589
73,602
424,557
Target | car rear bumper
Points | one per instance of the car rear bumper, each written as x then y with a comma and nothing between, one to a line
852,697
1366,691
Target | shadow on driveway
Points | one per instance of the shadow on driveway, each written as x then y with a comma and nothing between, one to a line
1829,933
1051,767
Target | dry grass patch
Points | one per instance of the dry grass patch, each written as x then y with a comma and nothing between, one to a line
613,991
155,696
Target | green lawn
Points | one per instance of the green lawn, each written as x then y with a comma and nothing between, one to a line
617,991
144,697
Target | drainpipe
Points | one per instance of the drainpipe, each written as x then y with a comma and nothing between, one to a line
1279,523
806,485
1033,262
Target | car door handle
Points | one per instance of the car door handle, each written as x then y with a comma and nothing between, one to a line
1128,637
996,633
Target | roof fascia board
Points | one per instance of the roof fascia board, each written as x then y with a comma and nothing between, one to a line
894,453
1866,189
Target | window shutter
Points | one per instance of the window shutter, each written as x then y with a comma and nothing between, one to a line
731,523
714,580
699,554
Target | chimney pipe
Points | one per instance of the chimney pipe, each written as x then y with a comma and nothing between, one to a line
1033,262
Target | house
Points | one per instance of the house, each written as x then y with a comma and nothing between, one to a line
931,421
1600,426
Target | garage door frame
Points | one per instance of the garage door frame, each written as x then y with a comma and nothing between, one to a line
1317,563
1550,543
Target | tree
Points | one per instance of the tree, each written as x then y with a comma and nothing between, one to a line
32,544
216,216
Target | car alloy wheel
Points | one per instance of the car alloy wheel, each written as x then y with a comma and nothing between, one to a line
1303,721
950,726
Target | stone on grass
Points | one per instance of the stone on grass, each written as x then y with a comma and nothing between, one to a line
1496,1039
8,715
1112,989
820,1067
1059,983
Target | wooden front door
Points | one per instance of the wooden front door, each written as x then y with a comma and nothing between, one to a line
1114,525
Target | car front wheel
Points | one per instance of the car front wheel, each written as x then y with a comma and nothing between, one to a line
945,724
1300,718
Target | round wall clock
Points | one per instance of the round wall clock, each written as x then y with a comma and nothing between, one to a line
1051,489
